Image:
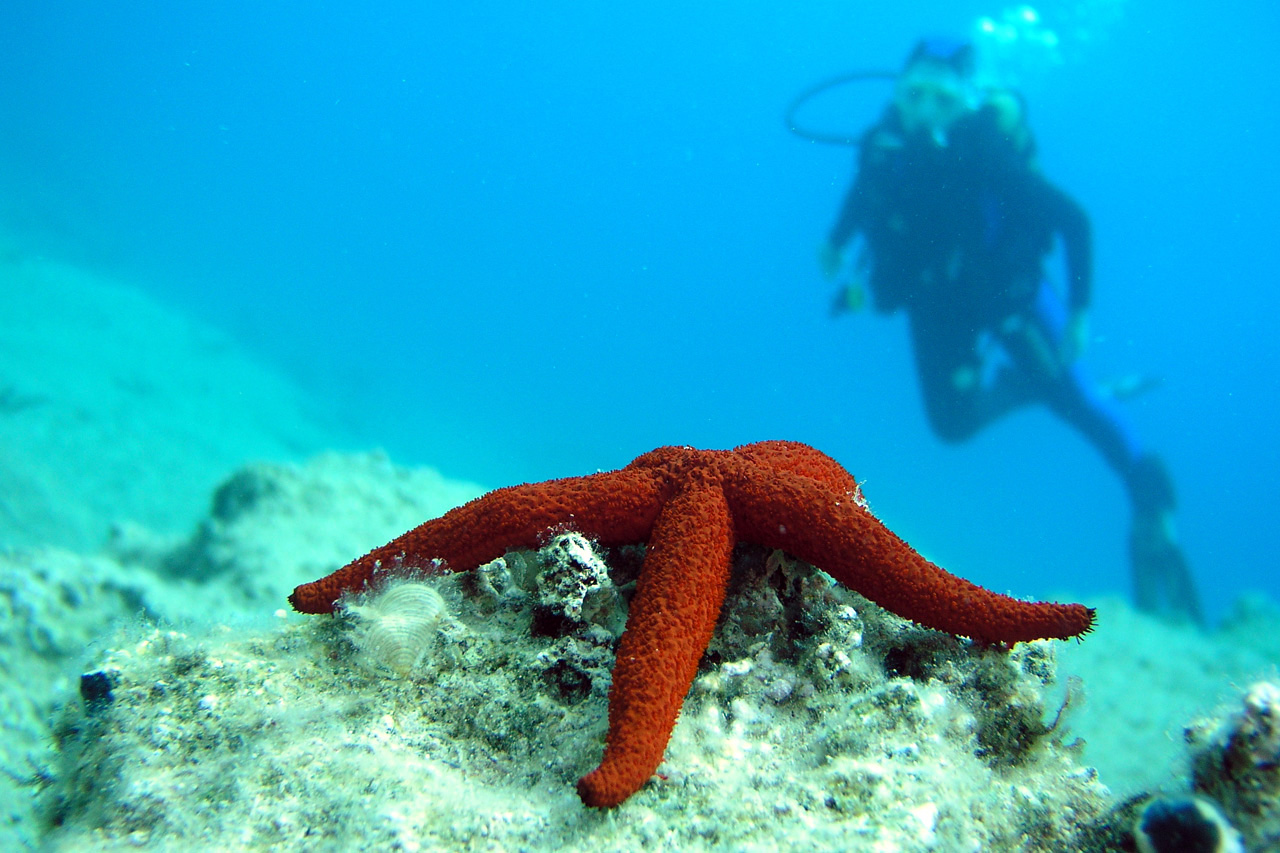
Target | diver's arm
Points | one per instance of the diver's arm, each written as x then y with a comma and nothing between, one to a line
855,212
830,253
1070,220
850,219
1060,214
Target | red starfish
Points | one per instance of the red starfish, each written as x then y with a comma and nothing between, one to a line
691,506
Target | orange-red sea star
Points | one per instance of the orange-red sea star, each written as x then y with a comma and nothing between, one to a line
690,507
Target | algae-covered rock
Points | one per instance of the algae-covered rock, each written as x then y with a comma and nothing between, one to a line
56,605
845,728
187,716
53,604
1235,762
270,524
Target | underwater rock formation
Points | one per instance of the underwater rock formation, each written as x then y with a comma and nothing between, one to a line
1235,761
1184,825
816,720
269,521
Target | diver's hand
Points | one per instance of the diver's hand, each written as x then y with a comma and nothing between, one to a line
1076,337
830,259
850,299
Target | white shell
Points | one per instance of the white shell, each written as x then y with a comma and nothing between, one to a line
394,627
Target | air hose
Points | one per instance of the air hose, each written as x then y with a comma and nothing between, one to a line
824,86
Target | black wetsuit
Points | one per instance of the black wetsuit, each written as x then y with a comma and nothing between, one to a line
962,227
956,235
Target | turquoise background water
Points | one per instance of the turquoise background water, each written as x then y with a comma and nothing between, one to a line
518,241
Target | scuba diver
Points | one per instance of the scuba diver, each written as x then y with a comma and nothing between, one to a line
956,221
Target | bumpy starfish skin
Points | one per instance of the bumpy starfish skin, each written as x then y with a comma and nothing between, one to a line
690,507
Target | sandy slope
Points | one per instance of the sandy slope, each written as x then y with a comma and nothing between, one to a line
115,407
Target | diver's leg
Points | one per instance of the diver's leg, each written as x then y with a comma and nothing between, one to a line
1162,579
1161,576
944,355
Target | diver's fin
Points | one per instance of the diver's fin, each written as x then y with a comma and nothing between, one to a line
1162,581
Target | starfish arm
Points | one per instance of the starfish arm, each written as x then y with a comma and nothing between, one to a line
835,534
800,459
616,507
678,597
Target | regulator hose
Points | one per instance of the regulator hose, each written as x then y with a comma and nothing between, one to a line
817,89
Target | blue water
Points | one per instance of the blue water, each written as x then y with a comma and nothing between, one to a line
519,241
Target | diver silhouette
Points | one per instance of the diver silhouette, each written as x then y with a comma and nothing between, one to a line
956,222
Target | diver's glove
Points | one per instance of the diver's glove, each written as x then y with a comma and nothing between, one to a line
830,259
850,299
1075,337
